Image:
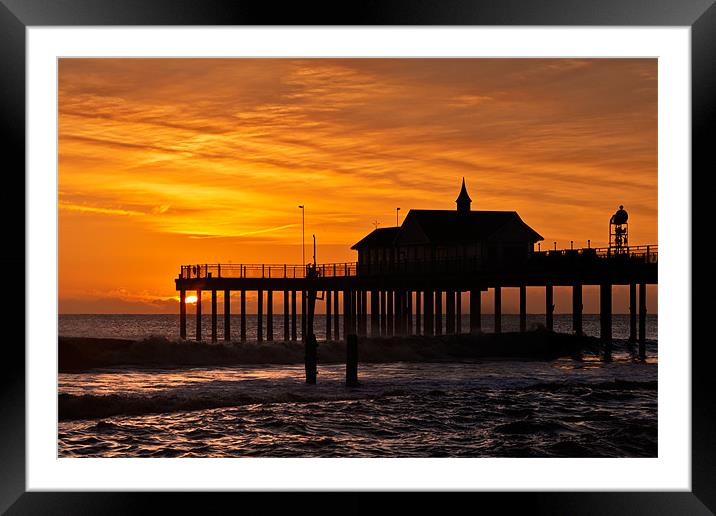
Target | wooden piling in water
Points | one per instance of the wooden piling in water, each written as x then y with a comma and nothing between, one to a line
303,315
346,313
383,313
475,311
311,358
523,308
364,312
336,317
198,315
374,313
632,312
438,312
294,330
242,326
227,315
390,325
329,332
642,320
428,318
409,314
352,361
498,310
450,312
458,312
269,314
418,329
286,324
260,316
182,314
549,307
213,316
577,309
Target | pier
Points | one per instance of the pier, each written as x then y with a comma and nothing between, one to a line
406,298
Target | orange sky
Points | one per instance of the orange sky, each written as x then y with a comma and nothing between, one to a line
171,161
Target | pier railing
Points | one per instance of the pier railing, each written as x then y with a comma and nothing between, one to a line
634,254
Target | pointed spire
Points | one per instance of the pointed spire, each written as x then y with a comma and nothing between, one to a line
463,200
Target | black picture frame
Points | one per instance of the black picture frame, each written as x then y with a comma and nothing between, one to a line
17,15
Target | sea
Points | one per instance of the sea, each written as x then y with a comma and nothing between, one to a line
568,407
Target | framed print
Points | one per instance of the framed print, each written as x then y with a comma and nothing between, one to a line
418,248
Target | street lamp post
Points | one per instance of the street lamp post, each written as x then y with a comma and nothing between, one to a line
303,234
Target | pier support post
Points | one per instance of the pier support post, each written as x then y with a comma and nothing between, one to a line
438,312
329,332
409,321
383,314
428,319
374,314
294,331
269,315
303,315
311,358
346,313
182,314
523,308
642,320
475,311
260,316
458,312
364,312
577,309
549,307
390,325
352,361
418,329
450,312
227,315
399,312
213,315
632,312
336,316
198,315
286,324
498,309
605,317
242,305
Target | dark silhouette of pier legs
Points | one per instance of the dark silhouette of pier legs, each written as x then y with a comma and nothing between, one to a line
409,322
390,324
198,315
294,331
549,307
327,296
374,314
242,328
399,312
182,314
577,309
475,311
438,312
346,313
269,315
450,312
458,312
364,312
383,313
213,315
498,310
260,316
286,327
418,330
523,308
336,316
605,318
642,320
303,315
632,312
227,315
428,319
